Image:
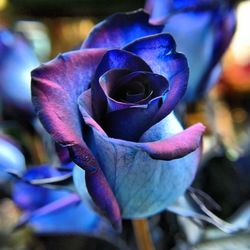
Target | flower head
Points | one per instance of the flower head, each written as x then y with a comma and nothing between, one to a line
111,107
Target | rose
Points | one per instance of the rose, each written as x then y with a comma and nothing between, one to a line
17,59
203,31
112,109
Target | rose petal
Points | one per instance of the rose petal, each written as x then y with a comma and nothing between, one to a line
129,124
156,83
56,87
85,106
176,146
115,122
108,82
63,154
159,52
120,29
143,186
123,124
113,59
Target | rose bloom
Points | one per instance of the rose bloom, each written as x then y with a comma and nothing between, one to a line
203,30
110,103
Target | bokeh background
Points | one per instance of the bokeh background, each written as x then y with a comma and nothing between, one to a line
52,27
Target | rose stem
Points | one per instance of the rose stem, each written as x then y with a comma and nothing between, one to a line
142,234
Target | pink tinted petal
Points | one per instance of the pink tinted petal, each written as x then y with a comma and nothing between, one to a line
176,146
120,29
103,195
55,88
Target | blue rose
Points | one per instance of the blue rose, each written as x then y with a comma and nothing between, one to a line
55,211
203,30
111,105
17,59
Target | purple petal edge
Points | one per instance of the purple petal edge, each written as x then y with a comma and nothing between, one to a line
55,87
120,29
176,146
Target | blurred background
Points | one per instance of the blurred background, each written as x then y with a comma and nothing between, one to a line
52,27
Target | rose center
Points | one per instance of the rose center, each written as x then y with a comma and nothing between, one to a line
135,93
132,92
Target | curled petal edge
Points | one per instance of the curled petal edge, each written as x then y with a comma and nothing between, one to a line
176,146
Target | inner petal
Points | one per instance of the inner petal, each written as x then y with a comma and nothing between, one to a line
132,92
136,93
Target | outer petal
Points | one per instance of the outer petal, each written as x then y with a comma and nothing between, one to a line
177,145
159,52
113,59
120,29
56,87
143,185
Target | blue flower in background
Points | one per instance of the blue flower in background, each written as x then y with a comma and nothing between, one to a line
203,30
17,59
125,80
12,160
56,211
